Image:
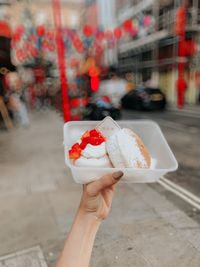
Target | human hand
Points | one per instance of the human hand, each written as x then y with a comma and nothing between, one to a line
97,196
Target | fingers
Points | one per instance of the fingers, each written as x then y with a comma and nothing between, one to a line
94,188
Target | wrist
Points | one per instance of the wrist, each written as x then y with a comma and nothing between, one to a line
88,218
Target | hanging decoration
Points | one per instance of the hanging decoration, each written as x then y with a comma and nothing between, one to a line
40,40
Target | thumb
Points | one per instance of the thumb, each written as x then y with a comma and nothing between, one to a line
94,188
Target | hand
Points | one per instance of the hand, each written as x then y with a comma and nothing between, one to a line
97,196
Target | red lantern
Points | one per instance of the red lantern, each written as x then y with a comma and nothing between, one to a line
87,30
128,25
40,30
118,33
94,83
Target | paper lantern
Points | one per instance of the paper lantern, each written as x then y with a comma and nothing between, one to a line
147,21
94,83
118,33
134,32
40,30
87,30
127,25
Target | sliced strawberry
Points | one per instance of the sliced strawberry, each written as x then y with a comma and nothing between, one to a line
86,134
74,154
86,140
94,133
76,146
95,141
83,144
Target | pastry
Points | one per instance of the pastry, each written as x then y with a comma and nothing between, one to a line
126,150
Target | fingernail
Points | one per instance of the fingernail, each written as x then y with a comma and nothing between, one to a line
117,175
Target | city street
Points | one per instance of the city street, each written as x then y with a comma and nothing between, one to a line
39,200
182,130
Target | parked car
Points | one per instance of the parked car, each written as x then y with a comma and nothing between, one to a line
144,98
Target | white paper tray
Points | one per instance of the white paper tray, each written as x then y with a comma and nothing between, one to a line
152,137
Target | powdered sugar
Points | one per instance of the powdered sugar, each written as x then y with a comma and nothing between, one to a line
130,150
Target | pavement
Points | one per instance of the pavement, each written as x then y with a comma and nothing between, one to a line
39,199
187,109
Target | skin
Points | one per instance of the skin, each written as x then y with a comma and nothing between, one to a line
94,207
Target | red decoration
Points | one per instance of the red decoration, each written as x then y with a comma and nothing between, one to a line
93,71
61,59
128,25
20,29
40,30
20,54
87,30
94,83
118,33
181,88
180,21
100,35
78,44
34,52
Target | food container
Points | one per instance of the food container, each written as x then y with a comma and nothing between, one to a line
149,132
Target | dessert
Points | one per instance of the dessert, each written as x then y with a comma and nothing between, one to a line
90,151
123,149
126,150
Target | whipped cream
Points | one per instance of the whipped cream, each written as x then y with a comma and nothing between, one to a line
93,162
91,151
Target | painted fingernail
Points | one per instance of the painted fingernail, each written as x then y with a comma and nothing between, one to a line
117,175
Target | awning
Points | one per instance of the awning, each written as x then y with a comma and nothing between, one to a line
149,39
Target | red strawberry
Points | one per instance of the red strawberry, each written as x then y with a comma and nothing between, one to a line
76,146
86,134
83,144
94,133
95,141
74,154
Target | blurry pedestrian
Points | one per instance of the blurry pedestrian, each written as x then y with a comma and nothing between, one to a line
130,82
16,101
115,88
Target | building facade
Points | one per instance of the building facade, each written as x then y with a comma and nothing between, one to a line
154,55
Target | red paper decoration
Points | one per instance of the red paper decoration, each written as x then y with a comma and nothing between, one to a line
100,35
94,83
128,25
180,21
118,33
87,30
40,30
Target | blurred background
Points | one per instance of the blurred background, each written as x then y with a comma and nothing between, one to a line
65,60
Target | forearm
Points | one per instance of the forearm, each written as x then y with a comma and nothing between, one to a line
78,247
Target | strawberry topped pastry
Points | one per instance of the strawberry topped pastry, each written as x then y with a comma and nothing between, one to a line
90,151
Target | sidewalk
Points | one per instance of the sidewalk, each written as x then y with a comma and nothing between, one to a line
39,199
188,109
